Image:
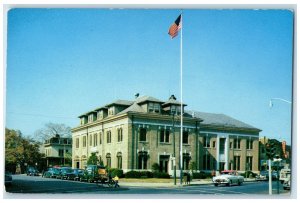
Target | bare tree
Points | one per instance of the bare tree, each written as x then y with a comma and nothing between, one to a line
52,129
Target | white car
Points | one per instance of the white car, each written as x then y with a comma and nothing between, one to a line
228,177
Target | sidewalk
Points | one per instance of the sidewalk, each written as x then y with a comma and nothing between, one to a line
171,184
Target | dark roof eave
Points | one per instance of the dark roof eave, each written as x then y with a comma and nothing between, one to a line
231,128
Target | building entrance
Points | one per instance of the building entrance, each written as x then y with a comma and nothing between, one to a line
164,163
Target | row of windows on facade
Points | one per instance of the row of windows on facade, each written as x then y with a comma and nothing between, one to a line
236,144
143,159
209,163
93,139
61,152
164,137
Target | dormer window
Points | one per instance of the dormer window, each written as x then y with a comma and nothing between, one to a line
111,111
154,108
91,118
100,115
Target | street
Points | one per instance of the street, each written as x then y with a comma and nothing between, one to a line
56,187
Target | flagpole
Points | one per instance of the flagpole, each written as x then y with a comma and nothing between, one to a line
181,107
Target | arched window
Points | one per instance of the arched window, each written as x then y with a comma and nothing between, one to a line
108,160
119,160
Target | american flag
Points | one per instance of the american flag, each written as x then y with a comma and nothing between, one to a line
175,27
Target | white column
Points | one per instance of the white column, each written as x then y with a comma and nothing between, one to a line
226,152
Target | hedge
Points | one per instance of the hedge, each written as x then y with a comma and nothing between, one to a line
146,174
116,172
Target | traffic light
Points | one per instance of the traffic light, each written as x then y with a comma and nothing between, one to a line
270,150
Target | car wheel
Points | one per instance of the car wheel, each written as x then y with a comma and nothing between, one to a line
239,182
216,184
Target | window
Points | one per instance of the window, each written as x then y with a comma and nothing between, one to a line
206,141
249,163
119,160
108,160
77,142
237,143
143,135
165,136
249,144
214,144
91,140
91,118
60,152
95,140
111,111
100,115
186,161
236,162
154,107
142,160
108,136
206,162
120,134
84,141
185,137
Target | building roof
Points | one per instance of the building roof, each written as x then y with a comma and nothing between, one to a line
172,100
220,120
120,103
133,108
145,98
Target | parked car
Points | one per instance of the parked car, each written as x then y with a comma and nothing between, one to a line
32,171
94,173
264,175
51,173
284,175
66,173
78,173
8,179
228,177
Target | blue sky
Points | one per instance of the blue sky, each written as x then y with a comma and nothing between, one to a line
64,62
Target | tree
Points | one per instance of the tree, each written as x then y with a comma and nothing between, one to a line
20,151
51,130
93,159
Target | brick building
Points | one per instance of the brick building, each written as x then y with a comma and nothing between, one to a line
133,135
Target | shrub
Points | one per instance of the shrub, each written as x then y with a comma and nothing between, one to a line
133,174
116,172
160,175
146,174
248,174
201,175
155,167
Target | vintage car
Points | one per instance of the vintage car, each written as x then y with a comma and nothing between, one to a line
264,175
228,177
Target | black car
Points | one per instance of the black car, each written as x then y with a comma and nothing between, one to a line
66,173
78,173
51,173
32,171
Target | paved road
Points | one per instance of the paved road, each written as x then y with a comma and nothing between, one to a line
55,187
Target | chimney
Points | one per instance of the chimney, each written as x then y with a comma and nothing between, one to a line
172,97
137,95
